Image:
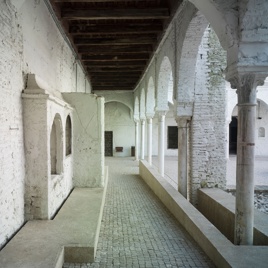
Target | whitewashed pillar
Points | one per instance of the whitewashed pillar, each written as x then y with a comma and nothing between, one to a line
183,125
149,139
161,142
136,140
244,216
142,138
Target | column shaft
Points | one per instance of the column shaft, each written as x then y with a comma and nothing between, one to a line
149,140
161,143
142,138
137,140
244,215
182,156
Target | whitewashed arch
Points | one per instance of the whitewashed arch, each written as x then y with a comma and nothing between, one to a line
150,98
142,104
222,18
137,109
165,80
187,62
125,103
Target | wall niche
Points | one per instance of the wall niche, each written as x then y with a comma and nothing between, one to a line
46,117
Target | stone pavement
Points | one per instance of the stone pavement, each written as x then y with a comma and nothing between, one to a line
137,230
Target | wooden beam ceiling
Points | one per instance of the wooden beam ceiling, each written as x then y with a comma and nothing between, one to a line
114,39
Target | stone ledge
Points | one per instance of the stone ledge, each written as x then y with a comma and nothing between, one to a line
219,208
71,237
219,249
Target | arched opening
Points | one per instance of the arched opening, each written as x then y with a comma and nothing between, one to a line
165,85
68,136
56,146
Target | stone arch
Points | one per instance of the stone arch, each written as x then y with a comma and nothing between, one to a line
137,109
56,146
68,135
165,80
125,103
150,98
222,17
142,104
187,62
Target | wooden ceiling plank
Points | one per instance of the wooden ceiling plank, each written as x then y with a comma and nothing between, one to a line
111,58
102,50
114,14
98,1
114,41
114,29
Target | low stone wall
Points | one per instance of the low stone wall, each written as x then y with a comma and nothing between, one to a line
219,208
219,249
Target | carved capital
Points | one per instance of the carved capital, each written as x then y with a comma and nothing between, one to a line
246,84
183,121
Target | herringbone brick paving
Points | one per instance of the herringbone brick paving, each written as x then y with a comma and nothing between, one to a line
137,231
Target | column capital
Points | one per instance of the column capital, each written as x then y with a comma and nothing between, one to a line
149,115
246,84
162,113
182,121
183,109
137,121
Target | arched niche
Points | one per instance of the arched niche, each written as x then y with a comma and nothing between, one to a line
56,148
165,81
68,136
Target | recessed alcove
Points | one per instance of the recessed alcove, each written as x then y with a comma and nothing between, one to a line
49,172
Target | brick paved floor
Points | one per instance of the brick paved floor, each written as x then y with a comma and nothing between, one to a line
137,230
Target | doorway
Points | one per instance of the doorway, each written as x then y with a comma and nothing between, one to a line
233,135
108,143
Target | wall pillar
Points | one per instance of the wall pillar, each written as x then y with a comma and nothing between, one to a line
136,140
183,125
244,217
161,142
149,139
142,138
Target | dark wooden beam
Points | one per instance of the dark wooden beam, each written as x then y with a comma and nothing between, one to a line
114,29
113,88
114,14
116,64
102,50
98,1
111,69
113,58
114,75
115,41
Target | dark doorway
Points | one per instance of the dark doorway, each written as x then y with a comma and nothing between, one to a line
172,137
108,143
233,135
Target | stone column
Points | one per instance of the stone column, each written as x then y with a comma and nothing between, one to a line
161,142
136,140
149,139
244,216
142,138
183,123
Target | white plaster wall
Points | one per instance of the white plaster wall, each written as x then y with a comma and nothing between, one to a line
119,119
30,43
88,139
11,129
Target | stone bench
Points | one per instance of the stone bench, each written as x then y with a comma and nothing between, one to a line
71,237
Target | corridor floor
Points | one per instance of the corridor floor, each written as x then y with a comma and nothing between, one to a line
137,230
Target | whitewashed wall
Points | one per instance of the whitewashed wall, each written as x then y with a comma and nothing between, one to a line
119,119
30,43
